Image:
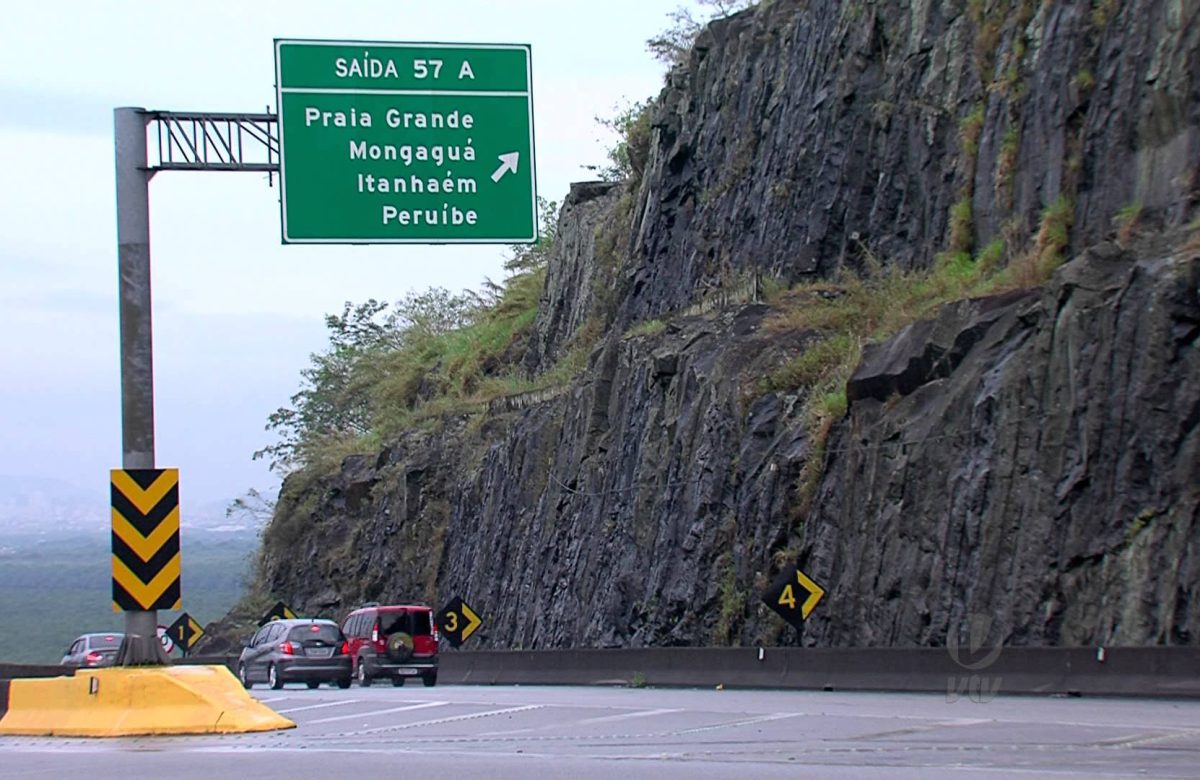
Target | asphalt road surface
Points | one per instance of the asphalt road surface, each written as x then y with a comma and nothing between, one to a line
591,733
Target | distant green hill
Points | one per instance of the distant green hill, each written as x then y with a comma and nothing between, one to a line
55,586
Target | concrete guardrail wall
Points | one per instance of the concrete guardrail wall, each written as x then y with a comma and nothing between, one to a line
1120,671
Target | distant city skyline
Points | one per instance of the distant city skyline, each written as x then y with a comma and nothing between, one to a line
236,315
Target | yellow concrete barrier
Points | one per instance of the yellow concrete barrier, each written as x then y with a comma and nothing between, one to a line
135,701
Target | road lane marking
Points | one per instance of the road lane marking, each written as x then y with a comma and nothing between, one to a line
585,722
1146,738
625,716
277,698
451,719
921,729
319,706
743,722
373,713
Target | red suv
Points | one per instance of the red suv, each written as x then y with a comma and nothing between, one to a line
396,641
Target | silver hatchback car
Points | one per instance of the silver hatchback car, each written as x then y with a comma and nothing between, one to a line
91,650
307,651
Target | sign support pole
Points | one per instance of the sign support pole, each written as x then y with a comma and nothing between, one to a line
141,646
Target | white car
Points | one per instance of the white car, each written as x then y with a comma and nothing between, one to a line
92,650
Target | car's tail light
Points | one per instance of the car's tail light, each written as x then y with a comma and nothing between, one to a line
375,633
92,658
436,635
345,648
287,648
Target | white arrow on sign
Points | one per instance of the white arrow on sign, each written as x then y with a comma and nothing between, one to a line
508,162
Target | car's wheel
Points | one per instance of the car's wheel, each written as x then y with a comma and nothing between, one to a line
397,682
364,679
242,676
430,679
344,683
313,685
273,678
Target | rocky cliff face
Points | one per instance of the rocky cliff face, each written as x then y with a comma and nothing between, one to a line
801,136
1032,457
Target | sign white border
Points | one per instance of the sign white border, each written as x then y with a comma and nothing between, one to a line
280,90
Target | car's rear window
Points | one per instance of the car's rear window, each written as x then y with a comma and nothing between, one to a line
105,640
415,623
321,631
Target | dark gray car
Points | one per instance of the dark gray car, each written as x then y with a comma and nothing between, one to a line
91,650
307,651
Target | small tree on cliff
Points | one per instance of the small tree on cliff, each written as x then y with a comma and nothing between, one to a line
673,43
251,507
335,396
631,122
531,257
627,157
383,359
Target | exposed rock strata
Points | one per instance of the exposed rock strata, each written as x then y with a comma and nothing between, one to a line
1032,458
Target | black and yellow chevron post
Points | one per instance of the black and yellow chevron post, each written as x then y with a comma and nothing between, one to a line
145,539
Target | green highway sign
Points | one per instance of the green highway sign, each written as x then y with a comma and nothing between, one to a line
423,143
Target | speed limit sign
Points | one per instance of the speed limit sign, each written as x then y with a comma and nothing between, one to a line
168,644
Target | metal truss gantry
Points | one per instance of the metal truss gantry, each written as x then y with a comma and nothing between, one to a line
192,141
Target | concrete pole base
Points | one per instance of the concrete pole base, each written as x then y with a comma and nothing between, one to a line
141,646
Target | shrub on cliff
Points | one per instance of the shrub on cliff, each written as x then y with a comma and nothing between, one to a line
386,361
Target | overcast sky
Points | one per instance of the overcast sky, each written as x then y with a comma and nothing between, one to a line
236,314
